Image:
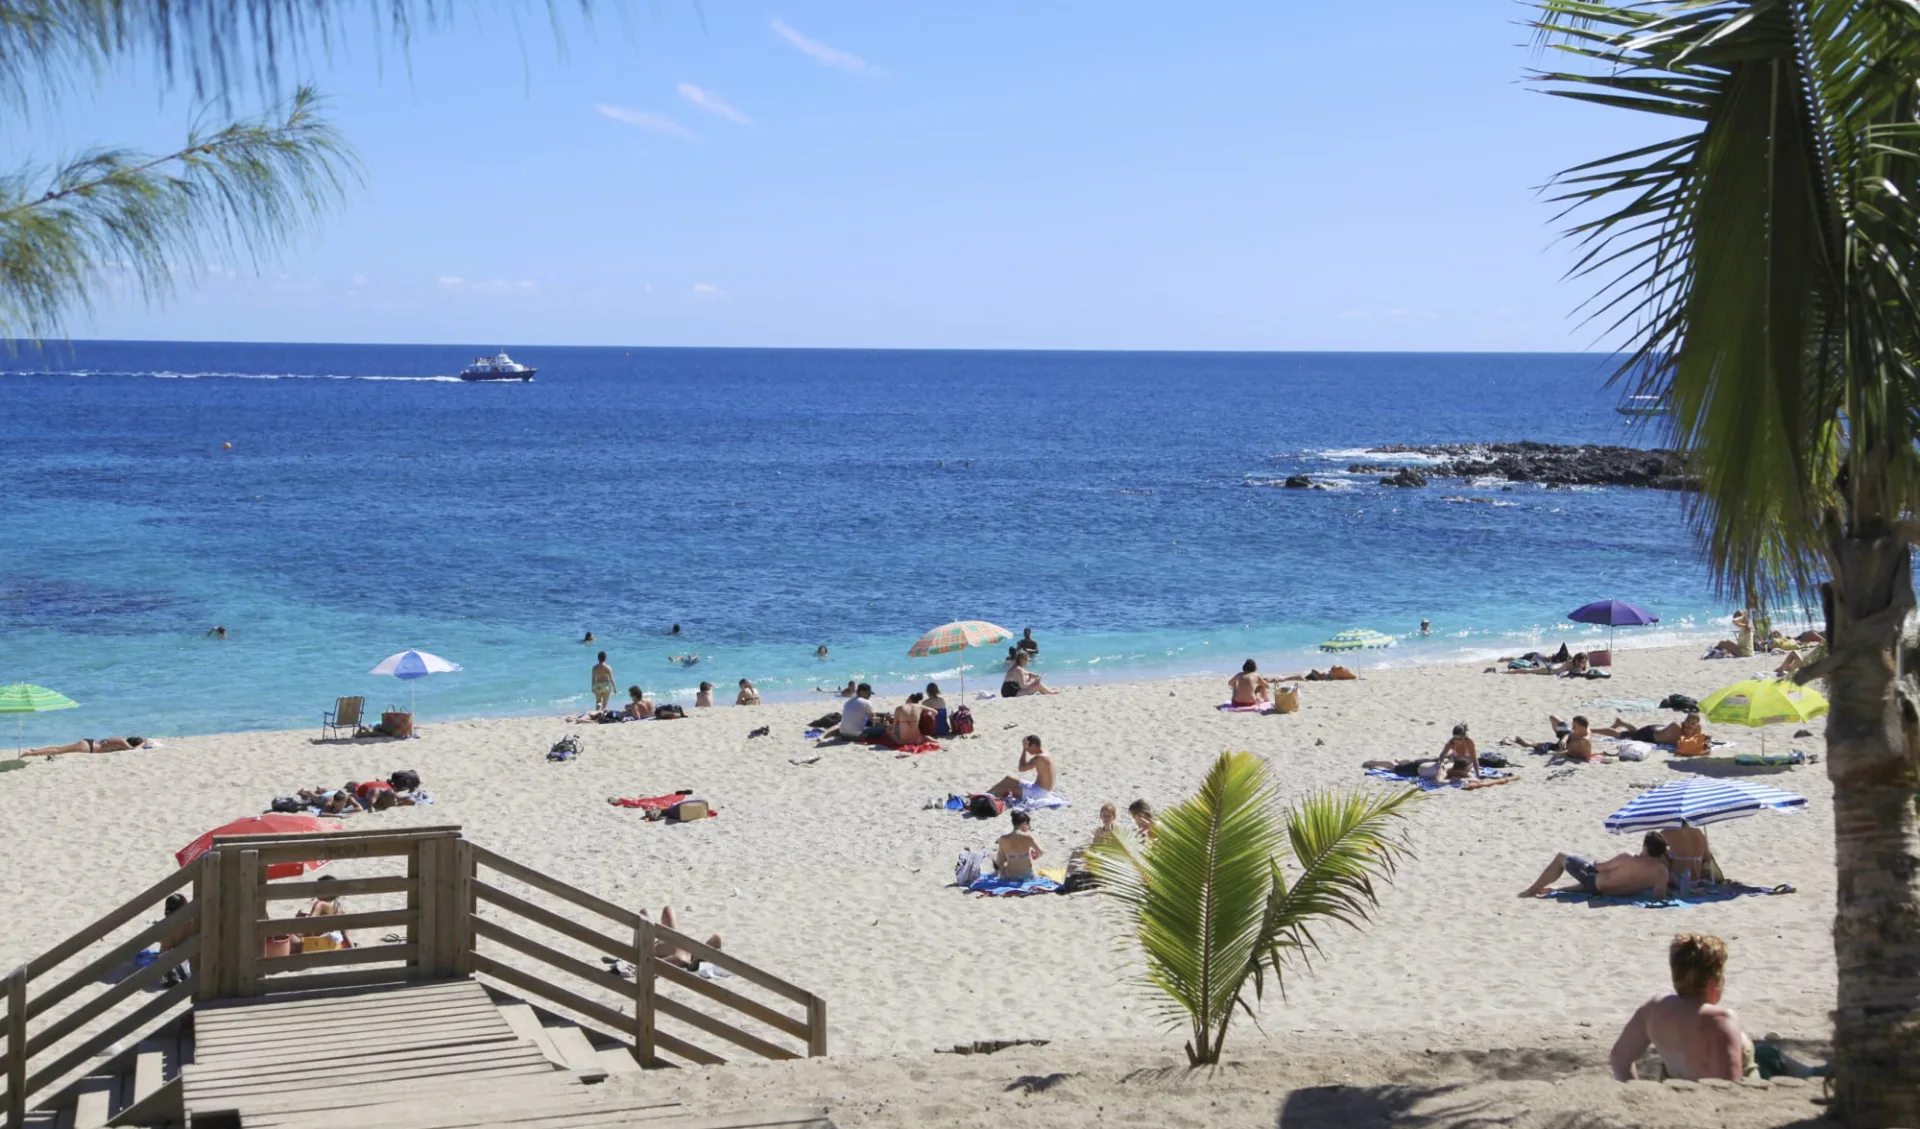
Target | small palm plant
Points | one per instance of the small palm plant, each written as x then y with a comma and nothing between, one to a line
1209,900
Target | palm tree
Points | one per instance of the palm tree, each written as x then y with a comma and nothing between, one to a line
1211,905
1764,261
246,187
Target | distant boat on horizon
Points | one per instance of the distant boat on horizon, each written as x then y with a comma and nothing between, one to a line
1646,406
497,367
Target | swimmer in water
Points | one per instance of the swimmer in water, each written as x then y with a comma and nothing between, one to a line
674,630
1426,627
218,632
821,652
588,638
683,660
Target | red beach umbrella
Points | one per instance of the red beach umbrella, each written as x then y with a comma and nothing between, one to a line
273,823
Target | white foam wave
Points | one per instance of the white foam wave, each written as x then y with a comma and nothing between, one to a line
1369,455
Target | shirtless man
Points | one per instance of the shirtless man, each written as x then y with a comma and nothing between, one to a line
93,745
1249,689
1621,875
1032,759
1696,1037
905,728
1668,734
1013,857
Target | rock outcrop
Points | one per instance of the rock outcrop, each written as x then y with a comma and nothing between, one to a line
1545,463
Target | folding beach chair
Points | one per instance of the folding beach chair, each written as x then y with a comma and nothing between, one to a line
344,715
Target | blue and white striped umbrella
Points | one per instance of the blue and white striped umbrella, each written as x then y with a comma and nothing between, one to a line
1700,800
411,665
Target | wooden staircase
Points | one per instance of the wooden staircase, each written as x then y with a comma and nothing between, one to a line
457,1018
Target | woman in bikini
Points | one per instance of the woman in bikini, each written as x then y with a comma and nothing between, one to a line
91,745
1460,756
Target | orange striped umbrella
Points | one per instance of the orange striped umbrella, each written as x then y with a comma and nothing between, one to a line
958,636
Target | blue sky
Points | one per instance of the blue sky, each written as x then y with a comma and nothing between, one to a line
1236,175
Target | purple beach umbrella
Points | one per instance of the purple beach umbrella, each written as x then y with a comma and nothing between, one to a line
1613,613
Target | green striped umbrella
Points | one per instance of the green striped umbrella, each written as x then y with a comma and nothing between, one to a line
1358,639
24,698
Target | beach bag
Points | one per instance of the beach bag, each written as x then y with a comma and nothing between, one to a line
288,803
929,723
963,722
969,867
1680,702
407,780
394,723
984,806
669,712
1286,700
565,749
827,722
687,810
1691,746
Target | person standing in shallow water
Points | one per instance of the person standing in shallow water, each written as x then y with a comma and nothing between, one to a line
602,683
1027,643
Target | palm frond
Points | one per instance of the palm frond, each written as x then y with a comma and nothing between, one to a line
243,189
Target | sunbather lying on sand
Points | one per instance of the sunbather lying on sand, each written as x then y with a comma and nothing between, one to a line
90,745
1621,875
1668,734
673,954
1335,673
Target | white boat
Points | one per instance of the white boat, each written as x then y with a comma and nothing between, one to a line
497,367
1645,406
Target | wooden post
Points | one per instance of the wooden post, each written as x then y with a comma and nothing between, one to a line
462,907
816,1027
206,891
423,866
17,1048
247,908
643,1006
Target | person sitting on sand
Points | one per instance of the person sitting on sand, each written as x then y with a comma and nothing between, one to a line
638,708
1109,820
904,730
1033,759
1579,742
602,683
1460,755
1695,1036
1620,876
1249,689
90,745
749,695
703,697
856,718
672,953
1689,856
1013,856
934,701
1740,647
324,906
1789,664
1023,680
1142,813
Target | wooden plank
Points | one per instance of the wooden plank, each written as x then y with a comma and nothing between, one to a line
618,1060
729,998
162,1107
816,1028
236,904
554,886
149,1072
338,958
778,1119
701,951
250,876
462,907
17,1046
644,980
352,978
94,1105
135,906
540,915
219,1035
319,1061
540,1085
598,1012
46,997
358,1042
356,835
265,927
578,1053
301,850
94,1044
694,1018
418,994
489,1110
335,888
140,981
458,1063
527,1025
206,895
686,1050
591,973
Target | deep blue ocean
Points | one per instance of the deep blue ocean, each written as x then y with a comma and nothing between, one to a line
768,501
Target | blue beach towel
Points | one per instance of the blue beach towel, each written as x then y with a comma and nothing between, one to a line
1699,896
1013,887
1429,785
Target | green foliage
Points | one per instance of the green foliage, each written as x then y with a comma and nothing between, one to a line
1209,900
1763,258
245,188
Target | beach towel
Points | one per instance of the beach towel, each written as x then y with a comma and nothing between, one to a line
1432,785
995,887
652,803
1038,799
1794,757
1699,895
1257,707
917,747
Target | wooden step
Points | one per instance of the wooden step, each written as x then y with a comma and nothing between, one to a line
94,1105
581,1059
527,1025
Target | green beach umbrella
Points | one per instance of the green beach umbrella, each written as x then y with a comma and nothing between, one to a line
1357,639
24,698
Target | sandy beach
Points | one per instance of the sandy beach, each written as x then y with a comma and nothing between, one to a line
834,875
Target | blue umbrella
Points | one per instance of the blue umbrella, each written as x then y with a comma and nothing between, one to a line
409,665
1613,613
1699,801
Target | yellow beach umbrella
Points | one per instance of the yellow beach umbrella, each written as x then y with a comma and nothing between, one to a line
1762,701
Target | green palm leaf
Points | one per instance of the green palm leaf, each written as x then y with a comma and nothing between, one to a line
1208,903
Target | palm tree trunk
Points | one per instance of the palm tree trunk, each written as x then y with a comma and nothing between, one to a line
1873,759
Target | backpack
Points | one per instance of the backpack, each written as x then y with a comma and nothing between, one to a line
289,804
668,712
406,780
565,749
969,867
984,806
962,722
1680,702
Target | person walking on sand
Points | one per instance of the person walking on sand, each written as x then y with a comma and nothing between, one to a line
1695,1036
1249,689
1619,876
602,683
1033,759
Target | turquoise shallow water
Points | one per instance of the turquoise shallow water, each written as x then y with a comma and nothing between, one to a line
769,501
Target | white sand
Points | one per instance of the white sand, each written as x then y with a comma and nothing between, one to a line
833,876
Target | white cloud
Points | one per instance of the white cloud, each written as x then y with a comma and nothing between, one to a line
452,280
657,123
827,56
709,101
708,291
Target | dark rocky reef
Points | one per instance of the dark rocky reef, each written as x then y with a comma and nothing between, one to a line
1545,463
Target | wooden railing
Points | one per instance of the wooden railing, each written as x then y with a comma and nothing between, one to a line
54,1026
452,909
